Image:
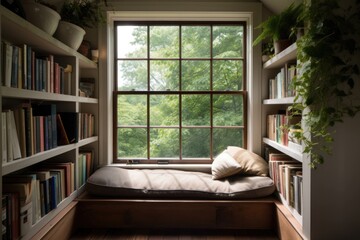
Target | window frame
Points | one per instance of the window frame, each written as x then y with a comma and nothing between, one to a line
180,93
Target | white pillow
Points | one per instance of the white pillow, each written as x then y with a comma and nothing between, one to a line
251,163
224,165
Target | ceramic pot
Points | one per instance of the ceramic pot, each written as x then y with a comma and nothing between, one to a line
41,16
70,34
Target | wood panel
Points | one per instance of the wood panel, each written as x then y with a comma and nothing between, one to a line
194,214
60,227
288,227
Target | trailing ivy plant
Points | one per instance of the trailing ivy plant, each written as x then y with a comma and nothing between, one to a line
328,85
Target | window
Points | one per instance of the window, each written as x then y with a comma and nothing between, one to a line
180,90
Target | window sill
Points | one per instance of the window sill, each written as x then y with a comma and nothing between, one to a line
187,167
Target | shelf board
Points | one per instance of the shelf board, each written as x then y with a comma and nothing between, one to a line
289,54
18,93
12,25
293,212
288,100
36,158
88,100
42,156
87,141
288,151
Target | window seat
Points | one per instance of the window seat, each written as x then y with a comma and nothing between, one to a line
175,184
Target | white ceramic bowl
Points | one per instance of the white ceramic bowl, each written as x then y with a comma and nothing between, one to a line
41,16
70,34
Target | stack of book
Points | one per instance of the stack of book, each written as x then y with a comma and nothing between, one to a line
32,128
85,166
26,69
287,175
36,192
280,86
280,125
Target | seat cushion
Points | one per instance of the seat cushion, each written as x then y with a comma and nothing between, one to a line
175,184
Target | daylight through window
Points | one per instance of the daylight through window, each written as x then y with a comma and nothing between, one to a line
180,91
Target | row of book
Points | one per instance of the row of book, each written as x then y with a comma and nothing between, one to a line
29,196
280,125
85,166
280,86
287,175
31,128
26,69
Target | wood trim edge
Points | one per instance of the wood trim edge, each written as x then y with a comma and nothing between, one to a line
61,226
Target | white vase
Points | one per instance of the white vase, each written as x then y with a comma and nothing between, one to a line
41,16
70,34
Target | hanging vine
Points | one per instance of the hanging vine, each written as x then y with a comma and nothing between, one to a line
328,84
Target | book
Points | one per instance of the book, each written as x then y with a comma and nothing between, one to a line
7,63
4,146
48,110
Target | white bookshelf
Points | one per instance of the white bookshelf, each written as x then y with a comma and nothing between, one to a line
271,106
17,31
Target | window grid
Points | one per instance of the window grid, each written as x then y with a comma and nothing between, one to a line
180,94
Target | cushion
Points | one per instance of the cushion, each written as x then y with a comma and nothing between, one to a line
174,184
251,163
224,165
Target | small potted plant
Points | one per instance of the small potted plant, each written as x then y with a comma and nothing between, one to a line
267,51
75,16
279,27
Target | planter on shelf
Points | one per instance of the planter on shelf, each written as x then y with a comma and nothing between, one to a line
280,45
42,16
70,34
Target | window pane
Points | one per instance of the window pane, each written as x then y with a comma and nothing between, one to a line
196,143
132,110
195,41
132,143
196,110
226,137
164,75
132,41
164,110
132,75
164,41
227,41
164,143
227,75
195,75
227,110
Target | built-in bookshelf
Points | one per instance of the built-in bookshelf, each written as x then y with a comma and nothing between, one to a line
284,153
60,92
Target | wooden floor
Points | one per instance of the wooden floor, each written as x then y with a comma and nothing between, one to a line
131,234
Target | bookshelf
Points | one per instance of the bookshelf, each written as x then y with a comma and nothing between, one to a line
10,97
277,105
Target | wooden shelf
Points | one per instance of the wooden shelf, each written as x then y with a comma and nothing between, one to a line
289,54
288,151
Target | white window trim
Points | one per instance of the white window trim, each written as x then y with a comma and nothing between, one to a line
251,15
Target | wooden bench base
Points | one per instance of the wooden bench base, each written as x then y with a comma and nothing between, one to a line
202,214
88,212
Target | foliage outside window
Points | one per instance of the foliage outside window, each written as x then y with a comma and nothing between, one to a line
180,90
